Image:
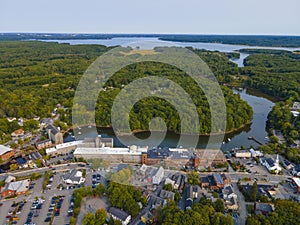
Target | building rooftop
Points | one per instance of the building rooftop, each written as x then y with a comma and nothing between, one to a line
166,194
105,150
218,178
297,181
265,207
4,149
19,186
122,215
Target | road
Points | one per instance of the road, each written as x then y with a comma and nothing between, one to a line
241,220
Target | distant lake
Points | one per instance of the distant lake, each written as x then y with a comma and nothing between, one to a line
150,43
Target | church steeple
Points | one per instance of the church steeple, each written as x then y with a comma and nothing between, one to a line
277,160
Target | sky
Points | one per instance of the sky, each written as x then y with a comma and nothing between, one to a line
151,16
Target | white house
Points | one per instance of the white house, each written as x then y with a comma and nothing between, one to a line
158,175
119,214
270,164
228,192
256,153
74,177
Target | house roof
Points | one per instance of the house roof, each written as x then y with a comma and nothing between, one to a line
20,161
73,175
18,132
228,190
36,155
52,128
19,186
265,207
218,179
9,179
270,161
46,121
166,194
297,181
159,172
4,149
118,213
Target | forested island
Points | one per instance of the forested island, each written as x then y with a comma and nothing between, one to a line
36,76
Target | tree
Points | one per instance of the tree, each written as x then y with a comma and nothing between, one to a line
219,206
168,187
100,216
13,167
193,178
39,163
253,192
177,196
89,219
105,164
99,190
72,221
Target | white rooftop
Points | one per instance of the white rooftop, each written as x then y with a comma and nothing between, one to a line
297,181
4,149
19,186
106,150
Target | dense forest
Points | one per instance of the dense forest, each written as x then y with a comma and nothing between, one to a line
203,213
36,76
251,40
286,213
273,72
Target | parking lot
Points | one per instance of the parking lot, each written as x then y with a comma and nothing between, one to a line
37,205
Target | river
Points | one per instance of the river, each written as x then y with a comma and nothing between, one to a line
261,105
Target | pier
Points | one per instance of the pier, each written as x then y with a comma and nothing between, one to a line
254,139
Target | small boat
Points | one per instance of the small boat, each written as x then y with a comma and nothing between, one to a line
79,128
79,132
89,126
228,139
223,142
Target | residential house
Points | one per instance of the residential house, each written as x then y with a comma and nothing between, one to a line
54,134
228,192
216,181
288,165
15,188
296,106
157,202
17,134
263,208
74,177
22,163
36,155
231,204
189,197
46,121
230,198
169,181
296,184
119,214
158,175
166,194
6,152
11,119
296,170
43,144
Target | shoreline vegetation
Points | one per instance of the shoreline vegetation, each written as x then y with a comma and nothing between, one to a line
70,129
